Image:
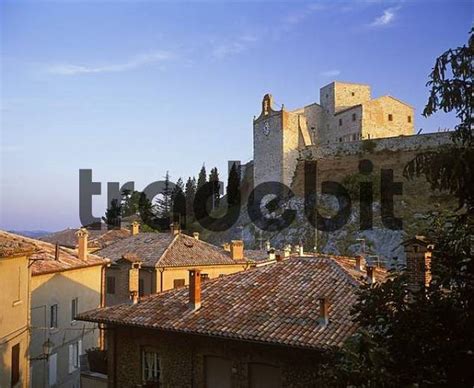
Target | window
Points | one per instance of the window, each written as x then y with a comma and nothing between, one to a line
353,94
53,316
390,117
15,376
75,351
151,371
353,137
409,119
354,117
110,284
74,308
178,283
141,287
53,369
340,140
340,122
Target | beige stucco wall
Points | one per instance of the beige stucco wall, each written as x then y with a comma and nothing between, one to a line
14,313
172,273
60,288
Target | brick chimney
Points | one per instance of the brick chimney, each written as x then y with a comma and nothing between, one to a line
323,311
237,250
196,235
279,257
194,289
359,263
135,228
175,228
82,235
370,274
418,258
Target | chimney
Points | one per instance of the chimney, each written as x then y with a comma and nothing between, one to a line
271,254
175,228
300,250
323,311
359,263
196,235
226,247
237,250
134,281
268,246
56,252
418,262
135,228
194,289
82,235
287,251
370,274
278,257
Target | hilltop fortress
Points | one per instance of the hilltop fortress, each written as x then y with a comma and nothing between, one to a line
346,113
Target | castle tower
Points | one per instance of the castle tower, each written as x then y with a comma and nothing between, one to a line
275,144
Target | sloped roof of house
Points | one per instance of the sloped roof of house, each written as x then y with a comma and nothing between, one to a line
14,247
44,255
275,304
166,250
100,238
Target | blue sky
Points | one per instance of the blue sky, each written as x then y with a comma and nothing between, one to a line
132,89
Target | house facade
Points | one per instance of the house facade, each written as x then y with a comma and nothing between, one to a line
14,312
64,282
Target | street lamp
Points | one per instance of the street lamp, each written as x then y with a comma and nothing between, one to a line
48,346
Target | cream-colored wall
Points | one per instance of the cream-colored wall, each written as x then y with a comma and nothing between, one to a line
349,127
375,118
60,288
14,315
172,273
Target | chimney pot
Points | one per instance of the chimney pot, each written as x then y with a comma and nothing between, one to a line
56,252
135,228
237,250
359,263
175,228
300,250
195,289
82,235
271,254
278,257
134,297
196,235
323,311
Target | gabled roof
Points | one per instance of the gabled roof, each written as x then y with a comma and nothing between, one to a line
14,247
44,255
166,250
97,238
276,304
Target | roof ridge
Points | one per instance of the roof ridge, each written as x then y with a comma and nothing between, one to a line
175,238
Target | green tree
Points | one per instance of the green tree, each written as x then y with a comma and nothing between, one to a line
215,188
190,192
179,203
130,202
113,214
202,177
164,203
233,186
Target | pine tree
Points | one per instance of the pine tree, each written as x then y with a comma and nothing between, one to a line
164,201
233,186
202,178
190,192
179,203
113,214
215,188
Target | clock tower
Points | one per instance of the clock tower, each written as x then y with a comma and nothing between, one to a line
275,144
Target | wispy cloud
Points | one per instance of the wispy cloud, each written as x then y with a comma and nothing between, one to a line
330,73
135,62
299,15
386,18
233,47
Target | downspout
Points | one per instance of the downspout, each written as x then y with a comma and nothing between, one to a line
161,278
115,357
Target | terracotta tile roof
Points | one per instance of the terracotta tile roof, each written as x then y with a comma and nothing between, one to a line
43,256
276,304
13,247
97,238
166,250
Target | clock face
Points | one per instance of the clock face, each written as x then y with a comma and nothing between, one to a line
266,128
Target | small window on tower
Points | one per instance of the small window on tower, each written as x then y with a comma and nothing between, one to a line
340,122
353,117
390,117
353,94
409,119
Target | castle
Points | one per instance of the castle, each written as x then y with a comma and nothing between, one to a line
346,113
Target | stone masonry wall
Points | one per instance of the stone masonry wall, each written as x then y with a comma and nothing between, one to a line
182,359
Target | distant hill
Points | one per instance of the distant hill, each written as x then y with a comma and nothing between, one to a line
31,233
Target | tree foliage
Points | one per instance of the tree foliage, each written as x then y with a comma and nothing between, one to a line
233,186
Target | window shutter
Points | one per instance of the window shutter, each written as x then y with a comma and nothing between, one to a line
53,368
71,358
